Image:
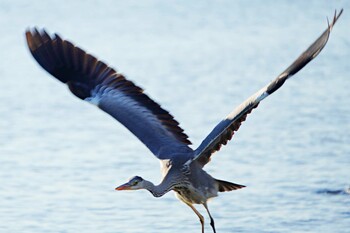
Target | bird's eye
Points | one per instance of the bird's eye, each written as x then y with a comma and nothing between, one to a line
135,182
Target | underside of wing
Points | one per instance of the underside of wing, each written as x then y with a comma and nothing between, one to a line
92,80
224,131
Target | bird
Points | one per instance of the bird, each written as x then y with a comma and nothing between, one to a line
182,167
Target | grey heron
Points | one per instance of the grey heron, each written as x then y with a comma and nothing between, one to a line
182,167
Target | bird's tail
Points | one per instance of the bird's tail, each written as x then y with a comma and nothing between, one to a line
225,186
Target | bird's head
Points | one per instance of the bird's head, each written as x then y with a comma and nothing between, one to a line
134,183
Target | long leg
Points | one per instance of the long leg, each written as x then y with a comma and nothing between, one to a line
211,218
201,218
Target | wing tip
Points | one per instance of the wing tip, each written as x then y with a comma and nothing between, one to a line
34,37
29,38
335,19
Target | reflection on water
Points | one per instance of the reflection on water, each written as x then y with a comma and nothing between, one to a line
62,158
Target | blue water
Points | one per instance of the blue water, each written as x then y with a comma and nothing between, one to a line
61,158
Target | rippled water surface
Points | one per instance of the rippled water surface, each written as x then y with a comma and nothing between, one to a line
62,158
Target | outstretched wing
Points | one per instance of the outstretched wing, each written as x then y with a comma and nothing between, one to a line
93,81
224,131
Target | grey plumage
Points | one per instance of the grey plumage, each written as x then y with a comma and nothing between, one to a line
182,168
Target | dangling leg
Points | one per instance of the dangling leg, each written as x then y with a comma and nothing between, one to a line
211,218
201,218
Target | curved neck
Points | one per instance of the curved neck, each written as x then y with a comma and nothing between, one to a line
157,190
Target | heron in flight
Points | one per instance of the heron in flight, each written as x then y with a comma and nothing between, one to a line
182,167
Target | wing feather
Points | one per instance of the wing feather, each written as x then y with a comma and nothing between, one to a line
92,80
224,131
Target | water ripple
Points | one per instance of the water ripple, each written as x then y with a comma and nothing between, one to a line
334,191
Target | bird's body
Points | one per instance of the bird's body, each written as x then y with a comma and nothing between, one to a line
182,167
197,185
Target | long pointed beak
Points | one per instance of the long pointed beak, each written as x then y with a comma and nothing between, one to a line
125,186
